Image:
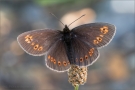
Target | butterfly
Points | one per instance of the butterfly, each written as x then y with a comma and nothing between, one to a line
78,46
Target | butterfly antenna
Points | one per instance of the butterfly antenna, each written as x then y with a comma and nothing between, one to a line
76,20
56,18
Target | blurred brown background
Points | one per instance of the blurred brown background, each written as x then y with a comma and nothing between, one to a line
115,68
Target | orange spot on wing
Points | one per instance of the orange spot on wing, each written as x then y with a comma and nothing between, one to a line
59,63
36,46
86,57
40,48
99,39
81,59
28,38
64,63
95,42
54,61
49,57
104,30
91,51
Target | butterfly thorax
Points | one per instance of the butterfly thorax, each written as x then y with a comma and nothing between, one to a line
66,29
66,34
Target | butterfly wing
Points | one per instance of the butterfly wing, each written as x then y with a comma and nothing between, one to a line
46,42
56,57
82,53
95,34
37,42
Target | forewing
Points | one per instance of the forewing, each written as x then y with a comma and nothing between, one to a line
95,34
83,54
37,42
56,57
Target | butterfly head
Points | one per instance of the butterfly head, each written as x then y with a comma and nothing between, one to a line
66,29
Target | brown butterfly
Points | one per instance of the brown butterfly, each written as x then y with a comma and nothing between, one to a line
78,46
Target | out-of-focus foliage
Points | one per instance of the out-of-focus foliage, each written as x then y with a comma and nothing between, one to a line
50,2
69,2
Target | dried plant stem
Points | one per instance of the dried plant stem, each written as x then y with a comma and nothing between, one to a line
76,87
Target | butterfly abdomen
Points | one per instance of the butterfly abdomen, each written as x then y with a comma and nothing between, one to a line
69,51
